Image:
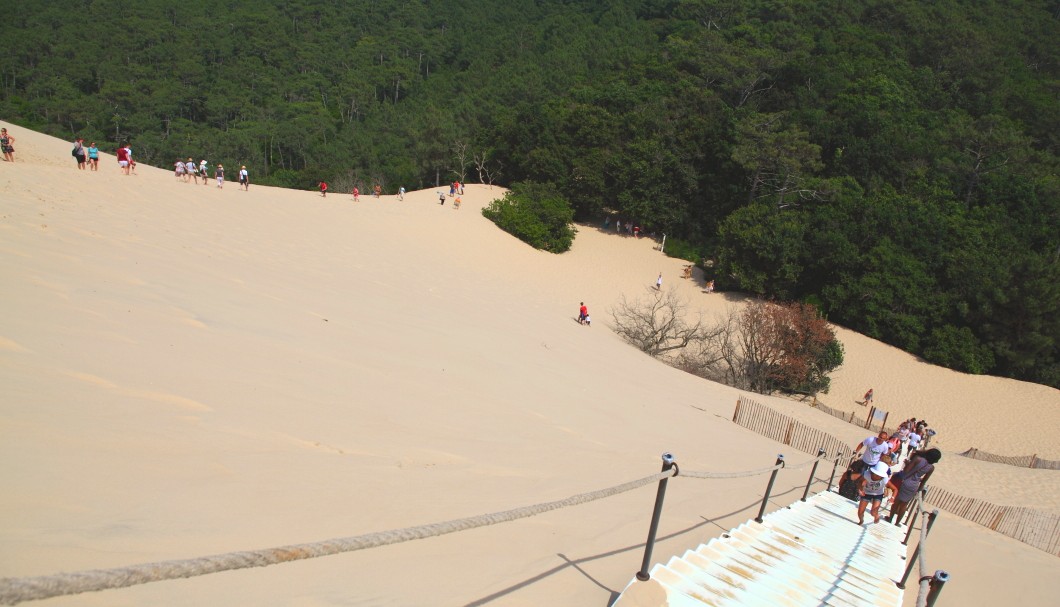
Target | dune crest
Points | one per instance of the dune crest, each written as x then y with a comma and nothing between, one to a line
328,368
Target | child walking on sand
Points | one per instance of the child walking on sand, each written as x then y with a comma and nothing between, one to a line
323,189
872,487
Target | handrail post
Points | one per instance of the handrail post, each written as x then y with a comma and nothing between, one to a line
813,471
916,551
643,575
937,582
769,487
910,520
835,466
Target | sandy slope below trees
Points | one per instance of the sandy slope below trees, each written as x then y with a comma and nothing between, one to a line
191,371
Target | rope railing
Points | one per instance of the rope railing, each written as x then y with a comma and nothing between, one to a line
17,590
925,579
928,585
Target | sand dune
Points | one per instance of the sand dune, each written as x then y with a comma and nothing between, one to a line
190,370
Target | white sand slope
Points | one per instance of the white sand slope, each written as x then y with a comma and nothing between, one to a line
189,370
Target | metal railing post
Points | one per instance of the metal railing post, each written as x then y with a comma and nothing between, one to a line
835,466
813,471
910,520
769,487
937,582
916,551
643,575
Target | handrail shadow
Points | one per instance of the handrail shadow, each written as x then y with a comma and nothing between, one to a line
569,563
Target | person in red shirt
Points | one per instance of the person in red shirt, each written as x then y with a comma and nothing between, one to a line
583,313
324,189
123,158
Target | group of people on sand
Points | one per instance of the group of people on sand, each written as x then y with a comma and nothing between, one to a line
191,172
583,316
872,474
630,228
377,191
456,192
86,158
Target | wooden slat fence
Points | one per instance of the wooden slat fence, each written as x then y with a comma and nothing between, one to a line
1021,461
1034,527
781,428
851,418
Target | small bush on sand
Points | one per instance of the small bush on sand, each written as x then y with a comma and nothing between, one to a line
536,214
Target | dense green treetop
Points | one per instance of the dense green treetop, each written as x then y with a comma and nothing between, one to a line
893,161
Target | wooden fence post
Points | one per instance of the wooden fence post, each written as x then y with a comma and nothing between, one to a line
737,411
868,420
851,420
885,416
1034,461
791,428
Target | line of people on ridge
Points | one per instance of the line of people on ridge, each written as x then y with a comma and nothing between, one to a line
190,172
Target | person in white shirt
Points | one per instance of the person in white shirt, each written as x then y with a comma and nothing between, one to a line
874,447
244,178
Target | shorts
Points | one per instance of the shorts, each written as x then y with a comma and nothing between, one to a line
80,159
872,498
9,149
123,163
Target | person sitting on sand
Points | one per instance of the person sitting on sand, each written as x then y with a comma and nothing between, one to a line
456,203
588,321
872,488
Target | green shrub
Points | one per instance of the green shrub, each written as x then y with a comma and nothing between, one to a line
536,214
683,249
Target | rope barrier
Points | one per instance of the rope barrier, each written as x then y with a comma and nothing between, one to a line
16,590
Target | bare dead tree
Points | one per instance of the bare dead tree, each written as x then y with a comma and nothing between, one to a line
656,324
461,156
486,174
762,346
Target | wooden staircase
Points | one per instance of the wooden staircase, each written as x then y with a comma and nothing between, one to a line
810,553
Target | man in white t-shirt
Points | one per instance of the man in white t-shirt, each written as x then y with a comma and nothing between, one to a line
874,448
914,441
